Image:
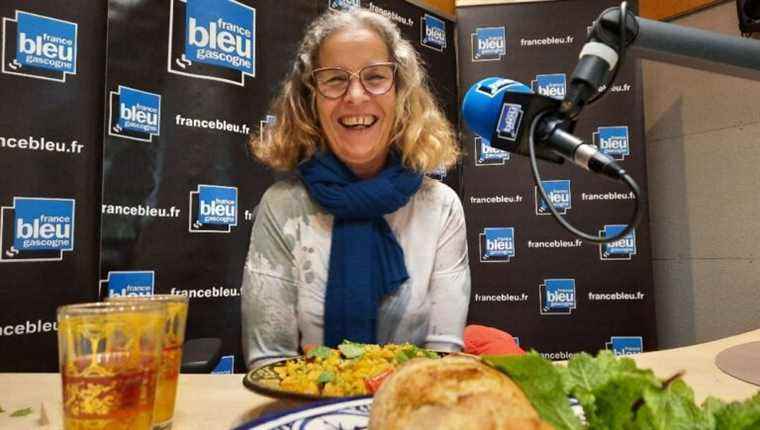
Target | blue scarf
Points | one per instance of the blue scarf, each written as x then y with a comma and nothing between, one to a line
366,261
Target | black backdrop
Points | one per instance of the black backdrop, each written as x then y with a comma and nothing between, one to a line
133,107
555,293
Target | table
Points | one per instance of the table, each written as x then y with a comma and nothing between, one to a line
221,401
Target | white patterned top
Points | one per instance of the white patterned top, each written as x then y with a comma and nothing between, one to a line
285,274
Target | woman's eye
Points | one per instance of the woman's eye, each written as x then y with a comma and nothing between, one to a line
335,80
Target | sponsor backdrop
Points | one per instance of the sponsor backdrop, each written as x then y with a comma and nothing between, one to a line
531,277
160,125
51,81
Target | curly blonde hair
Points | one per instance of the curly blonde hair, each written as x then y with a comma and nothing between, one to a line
421,133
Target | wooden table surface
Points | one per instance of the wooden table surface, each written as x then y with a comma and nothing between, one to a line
222,402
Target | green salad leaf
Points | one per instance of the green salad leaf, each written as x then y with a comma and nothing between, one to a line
617,395
22,412
325,377
672,408
319,352
351,350
542,384
735,415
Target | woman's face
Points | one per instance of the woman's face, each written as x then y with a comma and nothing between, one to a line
358,125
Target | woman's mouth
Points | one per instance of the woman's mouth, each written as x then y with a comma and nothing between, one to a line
357,122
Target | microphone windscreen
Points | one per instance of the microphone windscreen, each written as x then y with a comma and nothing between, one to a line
482,104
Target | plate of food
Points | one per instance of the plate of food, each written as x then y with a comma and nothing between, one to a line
350,370
522,392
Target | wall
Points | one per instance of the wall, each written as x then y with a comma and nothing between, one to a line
702,135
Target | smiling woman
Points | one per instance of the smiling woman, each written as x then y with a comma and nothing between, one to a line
358,245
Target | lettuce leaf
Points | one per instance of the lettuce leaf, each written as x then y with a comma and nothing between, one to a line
672,408
541,382
735,415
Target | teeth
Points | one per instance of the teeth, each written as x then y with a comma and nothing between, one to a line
359,120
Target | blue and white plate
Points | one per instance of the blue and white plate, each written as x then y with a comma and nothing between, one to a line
344,414
350,414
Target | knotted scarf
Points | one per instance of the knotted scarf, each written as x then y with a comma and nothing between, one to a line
366,261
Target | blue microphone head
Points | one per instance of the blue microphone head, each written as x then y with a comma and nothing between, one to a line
482,104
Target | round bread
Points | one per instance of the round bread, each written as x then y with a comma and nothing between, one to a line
457,393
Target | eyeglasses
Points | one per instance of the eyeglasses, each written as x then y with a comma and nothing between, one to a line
376,79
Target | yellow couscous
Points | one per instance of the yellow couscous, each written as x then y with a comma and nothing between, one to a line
350,370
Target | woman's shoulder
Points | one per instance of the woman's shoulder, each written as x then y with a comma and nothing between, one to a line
287,196
437,193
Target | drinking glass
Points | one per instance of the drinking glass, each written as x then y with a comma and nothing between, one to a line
171,355
109,355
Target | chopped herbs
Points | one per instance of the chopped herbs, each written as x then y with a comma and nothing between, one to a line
351,350
326,377
22,412
319,352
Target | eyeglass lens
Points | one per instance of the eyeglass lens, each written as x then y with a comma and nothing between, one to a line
376,79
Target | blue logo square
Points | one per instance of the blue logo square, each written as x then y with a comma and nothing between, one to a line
43,224
344,4
621,249
626,345
226,365
613,141
489,43
433,33
550,85
510,119
139,111
221,33
497,244
46,43
131,283
558,192
487,155
557,296
217,205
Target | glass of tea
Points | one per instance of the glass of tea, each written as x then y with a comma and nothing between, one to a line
109,355
171,355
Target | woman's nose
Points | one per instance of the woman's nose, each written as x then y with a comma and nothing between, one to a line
356,92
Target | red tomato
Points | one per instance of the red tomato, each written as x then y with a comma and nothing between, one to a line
373,384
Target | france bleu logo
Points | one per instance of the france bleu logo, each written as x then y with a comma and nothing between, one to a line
558,192
265,126
433,33
212,39
550,85
510,118
489,43
344,4
487,155
556,296
613,141
129,283
135,114
213,209
497,244
36,229
621,249
226,365
625,345
37,46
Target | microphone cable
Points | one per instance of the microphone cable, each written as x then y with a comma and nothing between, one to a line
569,227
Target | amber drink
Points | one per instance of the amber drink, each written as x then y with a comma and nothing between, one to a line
171,355
109,355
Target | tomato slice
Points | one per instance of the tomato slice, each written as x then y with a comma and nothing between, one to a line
373,384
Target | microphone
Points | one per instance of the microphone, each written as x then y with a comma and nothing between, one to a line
507,115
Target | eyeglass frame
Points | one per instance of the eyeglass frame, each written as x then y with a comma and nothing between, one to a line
357,74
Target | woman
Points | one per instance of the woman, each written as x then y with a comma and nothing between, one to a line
359,245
